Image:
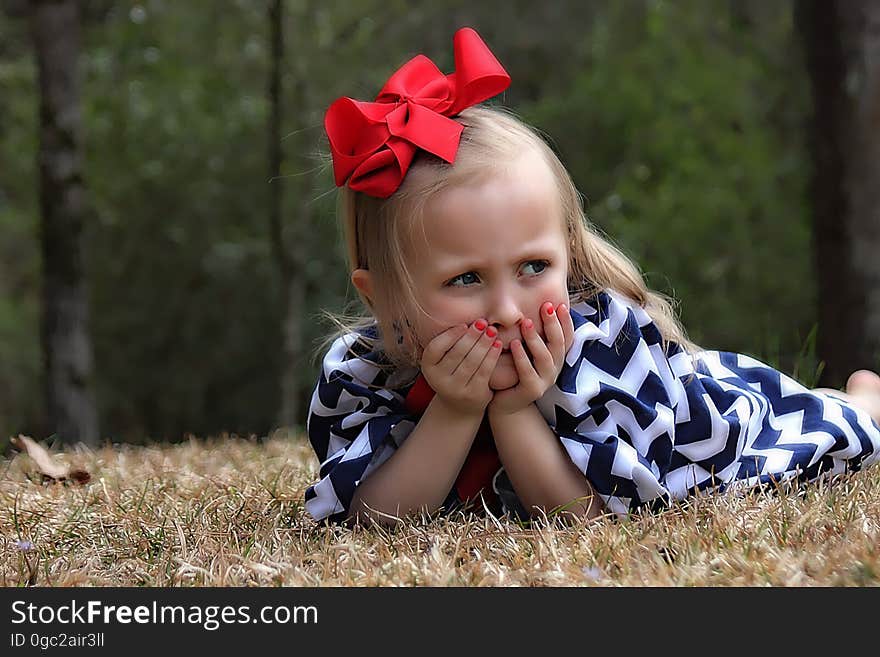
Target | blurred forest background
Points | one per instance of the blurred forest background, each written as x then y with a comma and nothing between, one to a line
204,233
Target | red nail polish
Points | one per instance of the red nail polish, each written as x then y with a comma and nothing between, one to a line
550,309
491,331
497,344
480,324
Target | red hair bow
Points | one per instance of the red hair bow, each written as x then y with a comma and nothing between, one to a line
373,144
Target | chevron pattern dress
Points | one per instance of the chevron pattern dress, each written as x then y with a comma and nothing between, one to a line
645,425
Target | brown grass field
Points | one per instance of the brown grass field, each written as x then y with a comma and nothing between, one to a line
229,512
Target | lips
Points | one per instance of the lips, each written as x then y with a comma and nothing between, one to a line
505,351
506,345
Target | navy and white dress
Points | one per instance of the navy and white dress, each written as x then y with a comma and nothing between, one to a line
645,425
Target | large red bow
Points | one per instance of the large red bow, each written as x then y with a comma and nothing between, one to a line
373,144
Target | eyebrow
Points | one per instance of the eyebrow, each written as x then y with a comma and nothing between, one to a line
532,252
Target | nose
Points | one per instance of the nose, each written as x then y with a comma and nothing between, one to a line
505,310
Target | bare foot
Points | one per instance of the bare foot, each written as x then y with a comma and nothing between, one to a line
863,379
864,387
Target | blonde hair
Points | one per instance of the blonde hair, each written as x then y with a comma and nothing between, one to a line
377,232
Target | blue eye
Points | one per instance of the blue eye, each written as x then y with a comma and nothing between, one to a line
462,280
537,266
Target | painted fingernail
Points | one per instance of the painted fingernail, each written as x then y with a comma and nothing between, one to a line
496,344
549,309
481,324
491,331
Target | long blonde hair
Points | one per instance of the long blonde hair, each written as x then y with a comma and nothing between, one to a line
377,232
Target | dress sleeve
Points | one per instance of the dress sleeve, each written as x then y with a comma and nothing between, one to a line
614,403
354,425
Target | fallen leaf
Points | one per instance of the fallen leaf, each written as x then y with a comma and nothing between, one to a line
48,466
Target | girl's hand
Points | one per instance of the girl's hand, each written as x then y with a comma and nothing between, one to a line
534,380
458,363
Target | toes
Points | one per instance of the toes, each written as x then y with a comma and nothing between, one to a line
864,381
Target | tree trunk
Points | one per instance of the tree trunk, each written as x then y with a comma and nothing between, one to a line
67,348
293,335
842,46
290,252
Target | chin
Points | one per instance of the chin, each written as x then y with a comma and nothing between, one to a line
505,374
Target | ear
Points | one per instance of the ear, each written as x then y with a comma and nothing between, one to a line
363,281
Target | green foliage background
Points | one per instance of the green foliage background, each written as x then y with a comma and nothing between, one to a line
682,123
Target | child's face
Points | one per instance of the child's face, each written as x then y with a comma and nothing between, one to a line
494,251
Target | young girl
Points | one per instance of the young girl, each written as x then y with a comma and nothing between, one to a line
512,356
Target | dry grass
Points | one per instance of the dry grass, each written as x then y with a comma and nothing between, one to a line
229,512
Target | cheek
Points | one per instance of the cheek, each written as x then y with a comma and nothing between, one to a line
559,292
437,315
555,291
436,318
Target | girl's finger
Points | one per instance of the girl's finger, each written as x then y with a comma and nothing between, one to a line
474,358
442,343
454,356
542,356
481,377
525,370
567,325
553,331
